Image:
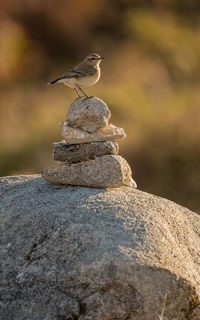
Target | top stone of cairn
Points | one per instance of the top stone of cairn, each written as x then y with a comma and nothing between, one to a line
88,114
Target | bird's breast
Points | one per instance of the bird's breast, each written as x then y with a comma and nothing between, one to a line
84,81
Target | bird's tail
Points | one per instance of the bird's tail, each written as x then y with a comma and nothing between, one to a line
54,81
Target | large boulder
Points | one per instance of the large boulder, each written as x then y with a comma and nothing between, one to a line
95,254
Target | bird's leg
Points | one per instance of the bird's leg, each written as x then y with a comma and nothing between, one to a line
83,92
77,93
86,96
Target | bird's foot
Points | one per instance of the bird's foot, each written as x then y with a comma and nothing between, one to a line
88,98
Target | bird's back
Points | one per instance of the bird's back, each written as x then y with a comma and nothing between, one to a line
80,70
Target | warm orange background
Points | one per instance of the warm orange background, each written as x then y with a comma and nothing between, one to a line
150,80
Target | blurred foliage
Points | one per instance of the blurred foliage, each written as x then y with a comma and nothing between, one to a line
150,80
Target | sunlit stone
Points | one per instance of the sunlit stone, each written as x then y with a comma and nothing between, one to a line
75,135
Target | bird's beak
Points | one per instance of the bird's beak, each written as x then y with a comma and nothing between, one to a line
101,58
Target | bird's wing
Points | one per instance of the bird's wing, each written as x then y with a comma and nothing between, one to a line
80,71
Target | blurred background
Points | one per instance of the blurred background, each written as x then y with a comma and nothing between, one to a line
150,81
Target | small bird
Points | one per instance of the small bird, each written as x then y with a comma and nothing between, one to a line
85,74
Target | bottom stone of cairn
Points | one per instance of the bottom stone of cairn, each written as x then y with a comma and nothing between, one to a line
102,172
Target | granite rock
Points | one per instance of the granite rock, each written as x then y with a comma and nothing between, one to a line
82,253
88,114
83,151
75,135
102,172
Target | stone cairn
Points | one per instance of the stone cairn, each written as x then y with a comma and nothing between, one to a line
88,152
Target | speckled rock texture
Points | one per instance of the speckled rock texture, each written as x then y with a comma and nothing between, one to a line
75,135
102,172
88,114
93,254
83,151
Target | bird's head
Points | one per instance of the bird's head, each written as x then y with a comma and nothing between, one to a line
94,59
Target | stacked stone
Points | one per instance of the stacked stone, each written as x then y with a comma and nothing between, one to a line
88,152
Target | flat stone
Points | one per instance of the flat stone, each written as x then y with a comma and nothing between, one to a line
102,172
84,151
88,114
75,135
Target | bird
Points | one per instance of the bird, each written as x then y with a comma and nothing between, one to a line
85,74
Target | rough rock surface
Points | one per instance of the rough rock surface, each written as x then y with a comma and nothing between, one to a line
105,171
88,114
75,135
83,151
92,254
